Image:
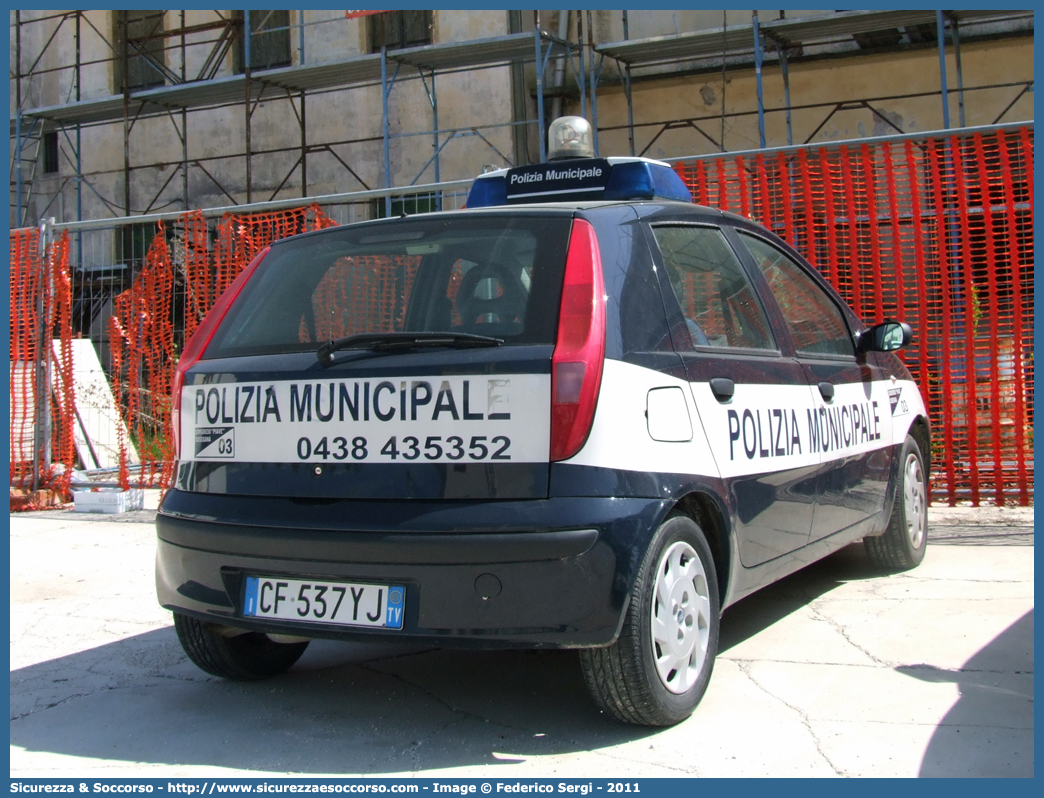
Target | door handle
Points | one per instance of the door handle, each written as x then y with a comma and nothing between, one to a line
723,388
827,389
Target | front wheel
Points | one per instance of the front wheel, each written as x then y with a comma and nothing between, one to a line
903,544
658,669
243,658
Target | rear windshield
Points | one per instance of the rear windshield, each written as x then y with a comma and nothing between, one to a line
499,276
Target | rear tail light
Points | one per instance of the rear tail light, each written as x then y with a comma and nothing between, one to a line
197,344
576,366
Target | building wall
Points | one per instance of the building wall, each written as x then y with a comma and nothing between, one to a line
825,83
477,103
470,99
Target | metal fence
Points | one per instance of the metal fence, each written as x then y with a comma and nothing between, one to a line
42,397
933,229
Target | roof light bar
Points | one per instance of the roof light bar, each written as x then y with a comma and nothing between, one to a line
579,180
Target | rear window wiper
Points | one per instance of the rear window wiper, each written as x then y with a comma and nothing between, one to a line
390,341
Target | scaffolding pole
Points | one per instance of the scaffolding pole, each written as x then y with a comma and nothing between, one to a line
248,110
627,89
540,89
941,35
781,51
18,117
595,76
758,57
955,35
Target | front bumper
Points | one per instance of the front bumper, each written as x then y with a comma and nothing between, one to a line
553,572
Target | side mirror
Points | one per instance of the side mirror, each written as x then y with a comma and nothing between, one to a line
887,336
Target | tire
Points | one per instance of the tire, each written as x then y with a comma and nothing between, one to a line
243,658
903,544
636,679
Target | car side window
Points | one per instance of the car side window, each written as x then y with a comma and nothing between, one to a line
717,300
815,322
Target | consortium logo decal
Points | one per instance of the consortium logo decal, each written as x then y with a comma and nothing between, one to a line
215,442
893,398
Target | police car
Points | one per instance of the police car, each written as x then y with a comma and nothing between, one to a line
582,413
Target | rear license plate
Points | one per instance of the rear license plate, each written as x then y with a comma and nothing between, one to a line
312,601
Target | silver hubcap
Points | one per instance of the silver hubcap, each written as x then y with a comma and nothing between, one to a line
680,617
914,500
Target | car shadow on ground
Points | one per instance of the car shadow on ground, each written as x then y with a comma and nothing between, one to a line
771,604
984,733
344,708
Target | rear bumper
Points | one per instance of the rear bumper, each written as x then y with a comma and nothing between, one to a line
564,567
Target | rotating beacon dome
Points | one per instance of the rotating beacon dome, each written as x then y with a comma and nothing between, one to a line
570,137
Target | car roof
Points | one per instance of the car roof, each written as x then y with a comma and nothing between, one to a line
642,207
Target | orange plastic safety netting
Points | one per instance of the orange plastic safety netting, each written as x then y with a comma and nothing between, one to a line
188,266
380,294
42,395
937,232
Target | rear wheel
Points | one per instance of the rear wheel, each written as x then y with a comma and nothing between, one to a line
658,669
903,544
245,657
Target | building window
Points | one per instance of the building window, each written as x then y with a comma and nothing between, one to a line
269,41
50,152
395,30
139,37
406,205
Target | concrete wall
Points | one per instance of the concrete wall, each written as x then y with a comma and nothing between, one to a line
53,81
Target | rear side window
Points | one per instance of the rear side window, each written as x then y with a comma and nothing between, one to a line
716,298
815,322
500,277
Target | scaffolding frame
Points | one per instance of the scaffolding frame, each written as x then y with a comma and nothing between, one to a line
773,41
781,38
295,84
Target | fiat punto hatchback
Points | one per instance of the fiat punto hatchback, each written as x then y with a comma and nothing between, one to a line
583,413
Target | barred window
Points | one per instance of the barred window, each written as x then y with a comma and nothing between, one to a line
139,36
395,30
269,41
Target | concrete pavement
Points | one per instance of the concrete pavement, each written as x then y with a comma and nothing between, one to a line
837,670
